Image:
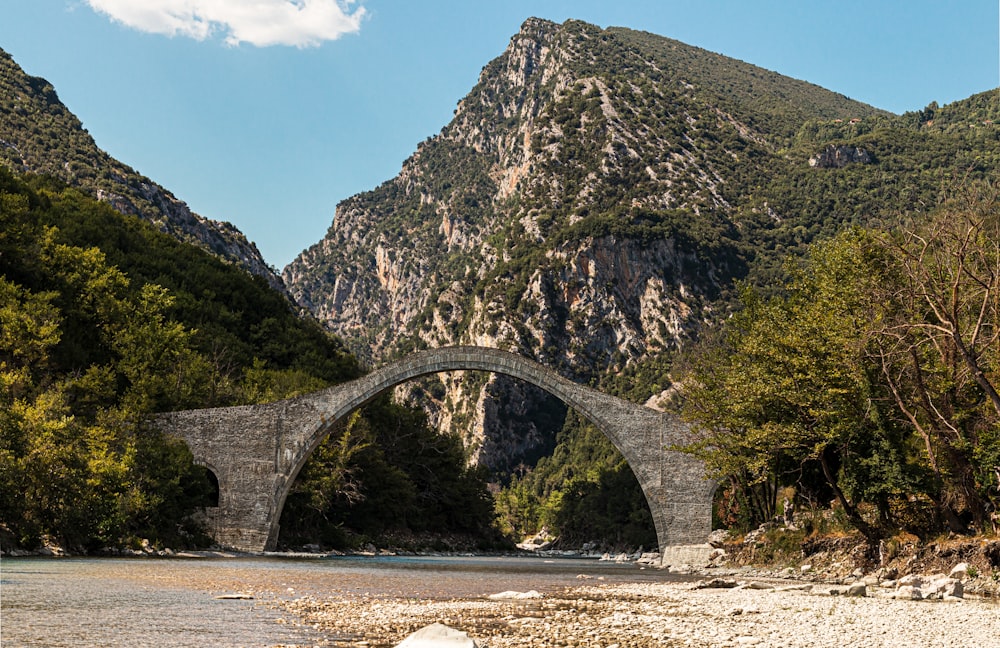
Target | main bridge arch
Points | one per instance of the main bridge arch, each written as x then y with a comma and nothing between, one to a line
256,451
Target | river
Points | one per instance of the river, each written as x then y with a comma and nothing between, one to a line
172,602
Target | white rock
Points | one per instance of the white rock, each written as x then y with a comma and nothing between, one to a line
649,558
718,537
908,592
942,587
438,635
911,580
512,595
959,571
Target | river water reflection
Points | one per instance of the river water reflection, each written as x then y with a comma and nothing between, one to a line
171,602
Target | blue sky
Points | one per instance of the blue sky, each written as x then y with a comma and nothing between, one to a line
267,118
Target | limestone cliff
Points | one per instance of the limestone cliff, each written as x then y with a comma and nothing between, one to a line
582,208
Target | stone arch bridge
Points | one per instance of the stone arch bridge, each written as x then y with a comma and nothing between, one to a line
256,451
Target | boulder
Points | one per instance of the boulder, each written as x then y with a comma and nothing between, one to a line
649,558
718,538
908,592
945,587
837,157
512,595
959,571
438,635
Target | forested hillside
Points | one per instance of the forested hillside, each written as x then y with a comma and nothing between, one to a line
104,320
38,134
870,379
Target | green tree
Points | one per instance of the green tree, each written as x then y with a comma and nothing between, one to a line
787,386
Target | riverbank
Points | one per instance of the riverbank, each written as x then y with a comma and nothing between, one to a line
647,615
374,602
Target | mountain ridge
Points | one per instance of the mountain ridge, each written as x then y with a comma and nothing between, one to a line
39,134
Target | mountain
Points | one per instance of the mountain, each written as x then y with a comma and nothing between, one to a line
38,134
590,205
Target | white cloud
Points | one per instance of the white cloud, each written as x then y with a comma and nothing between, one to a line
301,23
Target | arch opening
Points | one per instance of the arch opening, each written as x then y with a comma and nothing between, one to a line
383,472
204,486
584,494
587,496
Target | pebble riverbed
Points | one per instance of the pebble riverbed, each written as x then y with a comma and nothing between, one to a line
641,615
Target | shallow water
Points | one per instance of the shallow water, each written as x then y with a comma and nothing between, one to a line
171,602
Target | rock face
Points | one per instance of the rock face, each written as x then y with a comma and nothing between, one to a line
38,134
837,157
575,210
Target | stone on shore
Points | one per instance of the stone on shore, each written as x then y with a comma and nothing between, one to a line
651,558
656,614
959,571
908,592
438,635
935,586
511,595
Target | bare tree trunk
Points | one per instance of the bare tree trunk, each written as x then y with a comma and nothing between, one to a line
870,533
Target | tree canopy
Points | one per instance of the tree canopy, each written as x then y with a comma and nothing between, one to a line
870,378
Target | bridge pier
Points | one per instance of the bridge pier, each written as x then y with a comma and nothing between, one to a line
246,518
257,451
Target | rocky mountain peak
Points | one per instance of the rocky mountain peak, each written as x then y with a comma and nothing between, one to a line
580,208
